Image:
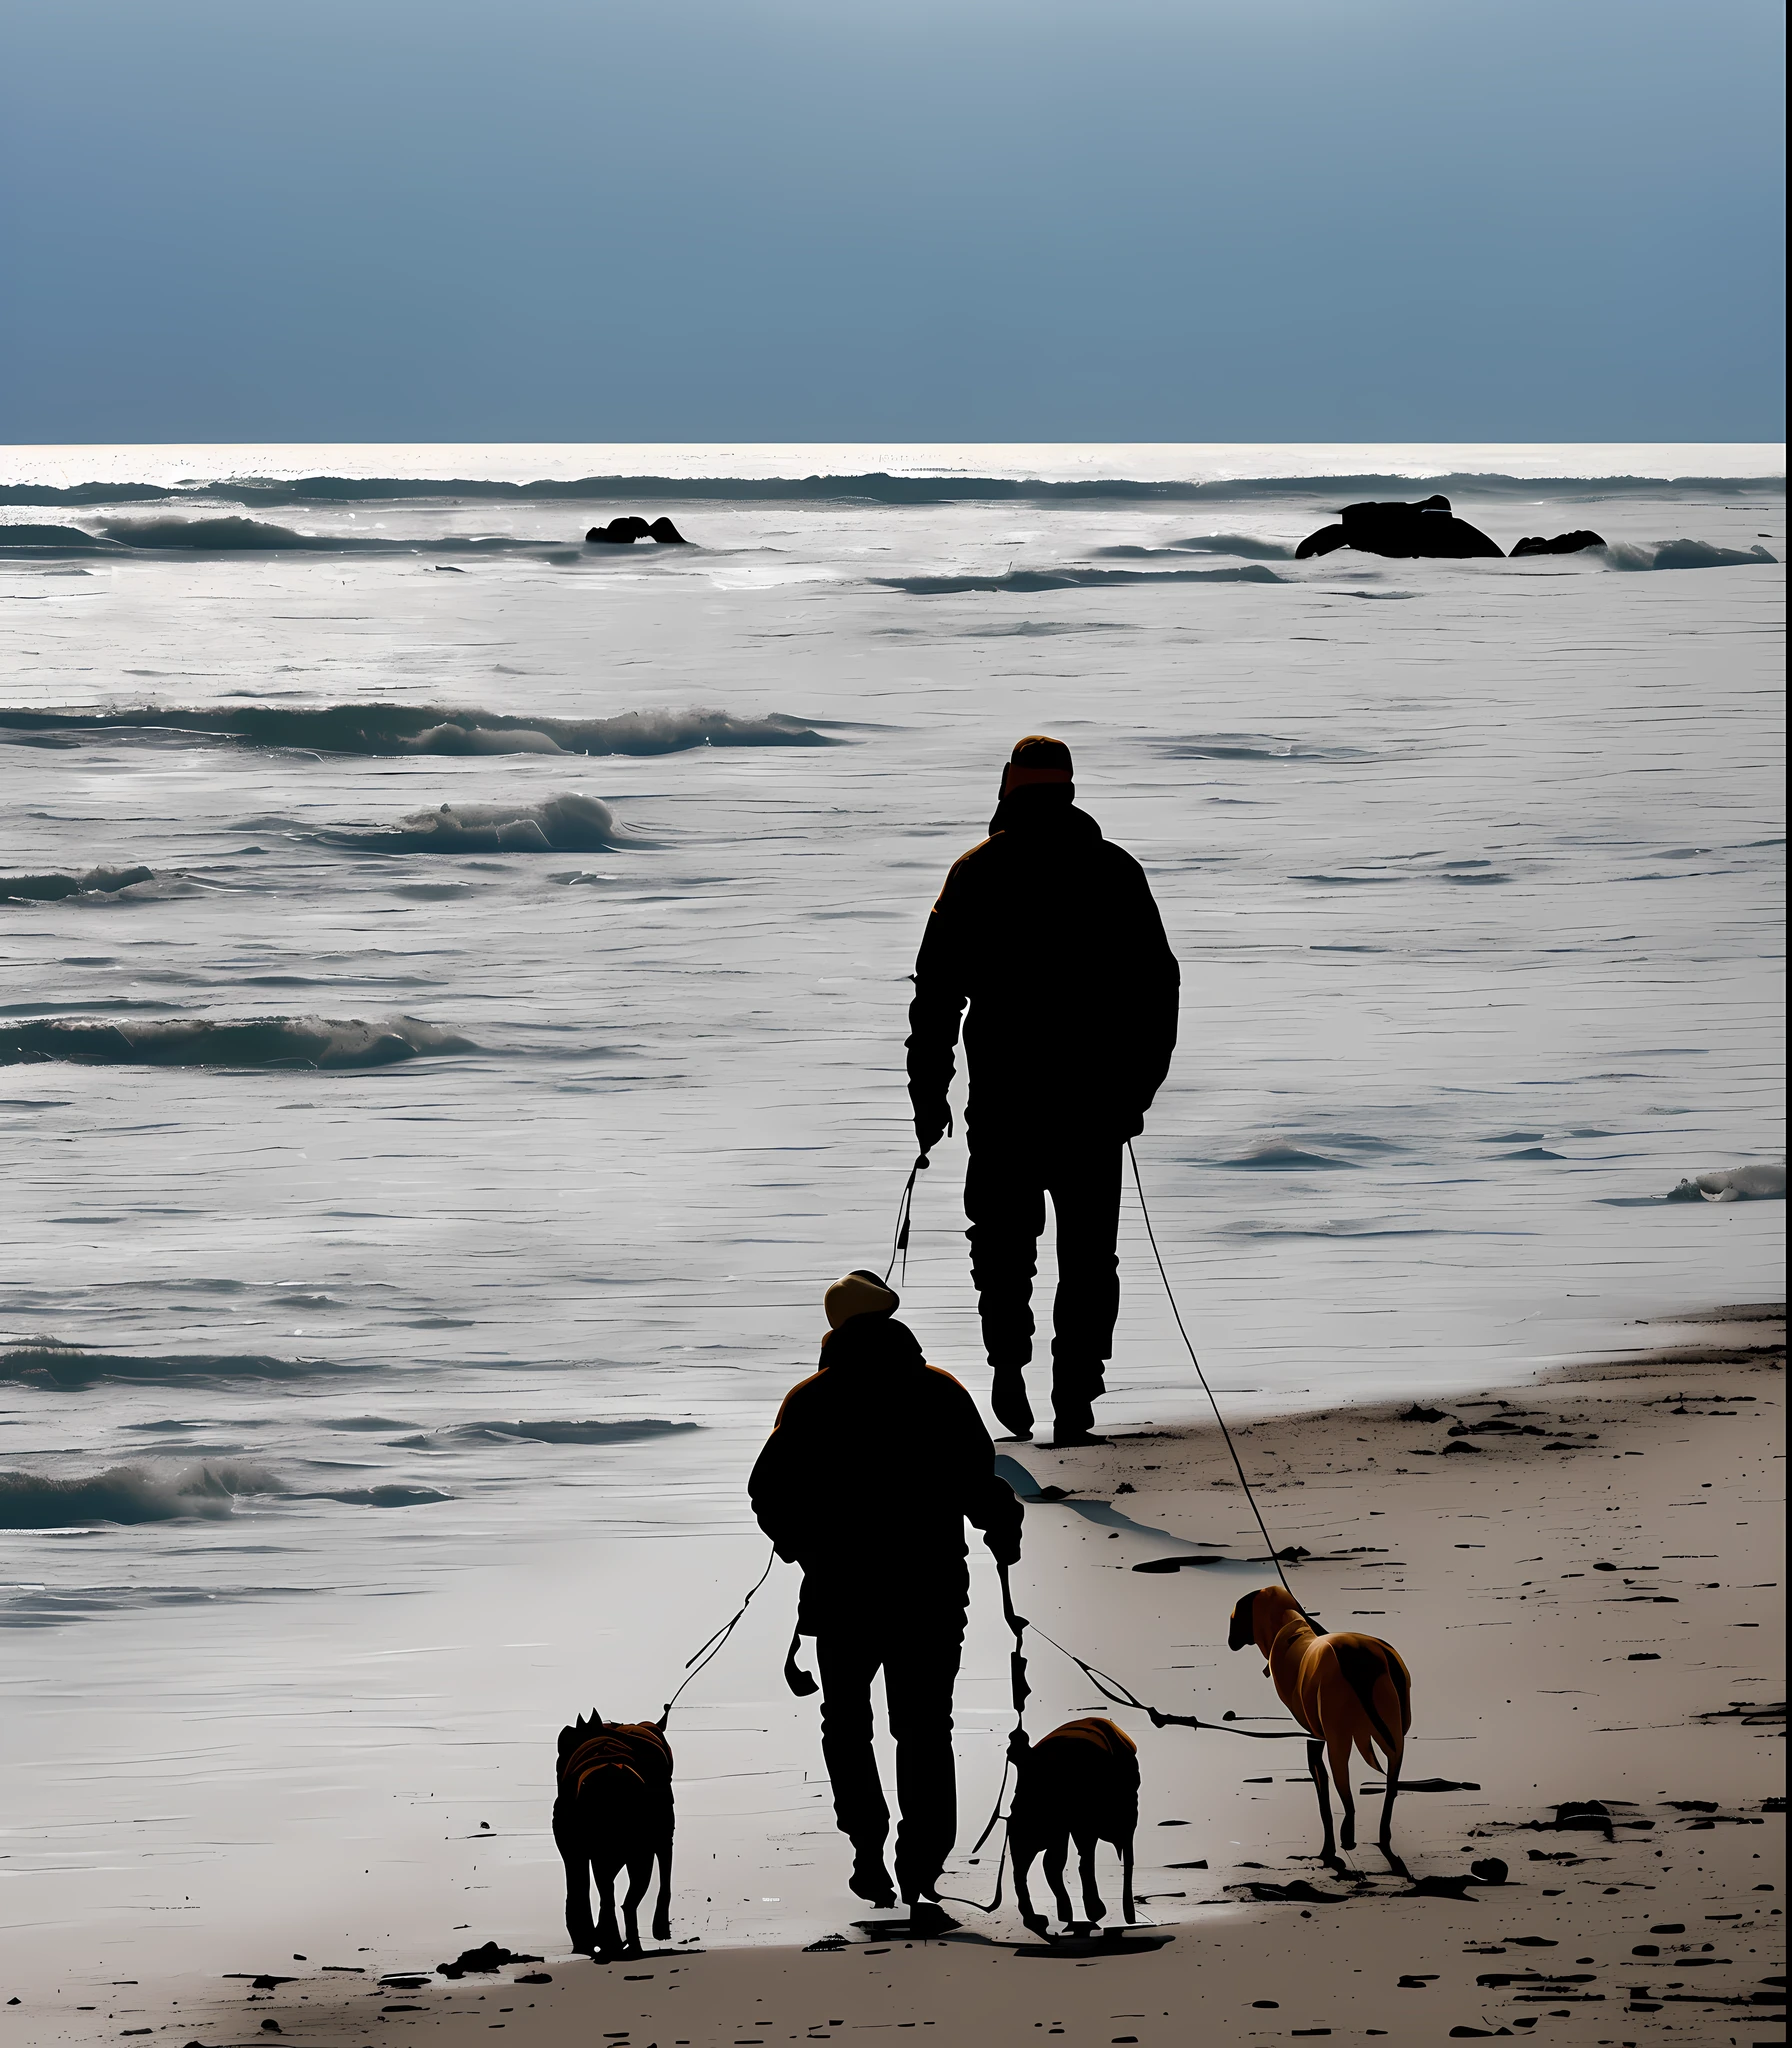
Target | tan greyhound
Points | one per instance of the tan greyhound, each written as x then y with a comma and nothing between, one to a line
1345,1690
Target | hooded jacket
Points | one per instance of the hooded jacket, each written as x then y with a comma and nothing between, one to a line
876,1463
1051,934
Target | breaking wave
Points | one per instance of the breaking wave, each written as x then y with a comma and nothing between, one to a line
321,1042
1278,1157
1684,554
232,534
575,1432
55,540
126,1493
48,1363
1247,547
1256,746
1760,1181
382,1496
429,729
559,824
876,487
1027,580
52,888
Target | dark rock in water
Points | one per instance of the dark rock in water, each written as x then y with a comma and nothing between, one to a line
626,528
488,1956
623,531
1563,544
1490,1870
1404,532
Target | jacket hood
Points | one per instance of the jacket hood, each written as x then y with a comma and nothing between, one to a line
1043,812
870,1343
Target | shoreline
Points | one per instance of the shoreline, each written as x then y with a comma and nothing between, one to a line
1629,1694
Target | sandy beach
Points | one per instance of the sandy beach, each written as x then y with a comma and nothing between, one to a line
1650,1480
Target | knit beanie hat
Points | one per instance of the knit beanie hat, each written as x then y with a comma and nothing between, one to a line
1038,760
859,1294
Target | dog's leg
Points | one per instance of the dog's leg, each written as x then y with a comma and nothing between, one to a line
640,1875
1338,1753
578,1898
609,1941
1022,1849
1126,1904
1387,1814
1316,1764
1093,1905
662,1906
1052,1863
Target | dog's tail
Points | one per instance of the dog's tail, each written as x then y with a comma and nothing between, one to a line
1383,1689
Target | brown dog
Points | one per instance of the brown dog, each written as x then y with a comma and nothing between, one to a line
1081,1781
1344,1690
614,1807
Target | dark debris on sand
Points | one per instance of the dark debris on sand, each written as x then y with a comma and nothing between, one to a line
489,1956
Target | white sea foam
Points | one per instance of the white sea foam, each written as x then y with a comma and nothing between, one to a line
1761,1181
557,824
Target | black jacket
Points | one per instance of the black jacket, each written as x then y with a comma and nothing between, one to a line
1050,933
876,1463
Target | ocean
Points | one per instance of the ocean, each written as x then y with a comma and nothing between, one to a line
454,1001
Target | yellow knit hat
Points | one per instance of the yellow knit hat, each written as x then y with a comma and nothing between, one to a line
859,1294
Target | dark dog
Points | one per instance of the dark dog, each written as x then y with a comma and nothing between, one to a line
1079,1782
614,1808
1345,1690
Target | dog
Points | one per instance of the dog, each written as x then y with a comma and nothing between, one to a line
614,1808
1345,1690
1079,1782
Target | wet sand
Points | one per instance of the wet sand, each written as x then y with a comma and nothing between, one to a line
1600,1622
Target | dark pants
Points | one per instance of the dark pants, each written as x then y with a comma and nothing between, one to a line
920,1663
1005,1187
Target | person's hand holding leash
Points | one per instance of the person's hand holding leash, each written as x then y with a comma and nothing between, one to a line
933,1121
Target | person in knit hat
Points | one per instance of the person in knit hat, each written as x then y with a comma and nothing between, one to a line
1050,934
877,1462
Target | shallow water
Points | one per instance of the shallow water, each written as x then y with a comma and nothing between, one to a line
1474,870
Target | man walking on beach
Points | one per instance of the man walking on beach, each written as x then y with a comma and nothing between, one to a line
876,1463
1050,933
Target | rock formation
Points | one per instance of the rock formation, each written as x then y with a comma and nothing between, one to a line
625,529
1563,544
1402,531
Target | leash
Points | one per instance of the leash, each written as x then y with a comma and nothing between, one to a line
1020,1689
904,1214
1182,1332
712,1649
1122,1695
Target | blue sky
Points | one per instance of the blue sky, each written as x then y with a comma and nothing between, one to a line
831,219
